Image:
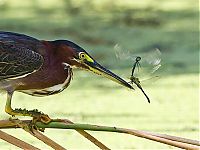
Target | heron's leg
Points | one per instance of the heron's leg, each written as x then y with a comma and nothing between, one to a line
8,108
37,115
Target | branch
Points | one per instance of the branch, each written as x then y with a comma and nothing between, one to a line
175,138
15,141
138,133
86,135
5,124
64,124
37,134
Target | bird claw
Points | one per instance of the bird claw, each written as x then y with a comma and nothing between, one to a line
29,127
32,126
37,115
44,118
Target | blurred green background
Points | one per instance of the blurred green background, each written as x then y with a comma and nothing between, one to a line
98,25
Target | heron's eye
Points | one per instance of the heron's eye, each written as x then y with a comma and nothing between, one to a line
82,56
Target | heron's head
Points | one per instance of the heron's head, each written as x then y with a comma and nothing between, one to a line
77,57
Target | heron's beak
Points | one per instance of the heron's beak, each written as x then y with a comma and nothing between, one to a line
100,70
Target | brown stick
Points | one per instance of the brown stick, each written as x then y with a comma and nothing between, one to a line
10,124
6,124
175,138
15,141
181,143
47,140
160,139
88,136
138,133
62,125
38,135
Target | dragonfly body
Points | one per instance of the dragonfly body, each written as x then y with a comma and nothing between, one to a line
135,79
136,64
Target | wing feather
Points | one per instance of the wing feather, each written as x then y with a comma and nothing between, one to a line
18,55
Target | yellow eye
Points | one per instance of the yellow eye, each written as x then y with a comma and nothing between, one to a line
82,56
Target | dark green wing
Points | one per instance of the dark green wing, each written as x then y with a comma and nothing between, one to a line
18,55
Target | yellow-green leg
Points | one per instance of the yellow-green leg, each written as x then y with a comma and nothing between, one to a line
23,112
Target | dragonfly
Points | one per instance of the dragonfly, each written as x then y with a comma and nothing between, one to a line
135,79
151,58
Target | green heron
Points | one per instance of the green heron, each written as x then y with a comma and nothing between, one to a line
42,68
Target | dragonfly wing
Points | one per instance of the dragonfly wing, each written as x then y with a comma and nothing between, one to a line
121,54
153,57
155,68
149,63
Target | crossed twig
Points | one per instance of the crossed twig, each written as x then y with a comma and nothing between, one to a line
66,124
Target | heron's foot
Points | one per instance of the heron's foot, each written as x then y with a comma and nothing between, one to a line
27,126
44,118
37,115
32,126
